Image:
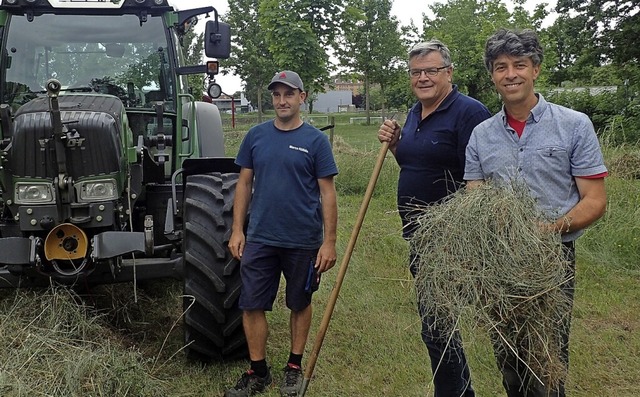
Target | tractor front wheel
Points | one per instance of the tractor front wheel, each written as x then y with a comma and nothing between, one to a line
212,320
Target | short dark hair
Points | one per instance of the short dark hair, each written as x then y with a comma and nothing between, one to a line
427,47
516,43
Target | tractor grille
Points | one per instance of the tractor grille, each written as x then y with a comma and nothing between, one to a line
95,150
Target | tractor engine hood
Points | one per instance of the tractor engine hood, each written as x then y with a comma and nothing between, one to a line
92,145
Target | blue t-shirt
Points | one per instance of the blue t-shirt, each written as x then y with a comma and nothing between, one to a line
431,152
557,145
285,207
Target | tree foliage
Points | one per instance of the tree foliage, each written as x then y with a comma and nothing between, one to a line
293,42
611,28
370,47
269,35
464,26
597,45
591,42
194,48
321,17
594,33
250,58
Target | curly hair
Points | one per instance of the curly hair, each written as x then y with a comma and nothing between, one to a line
516,43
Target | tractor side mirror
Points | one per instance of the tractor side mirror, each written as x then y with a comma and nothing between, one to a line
217,39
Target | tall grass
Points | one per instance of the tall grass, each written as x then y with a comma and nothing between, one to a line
615,239
106,344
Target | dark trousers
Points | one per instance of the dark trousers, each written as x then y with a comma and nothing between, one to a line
451,377
516,378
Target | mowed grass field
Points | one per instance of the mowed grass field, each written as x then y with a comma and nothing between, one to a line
53,343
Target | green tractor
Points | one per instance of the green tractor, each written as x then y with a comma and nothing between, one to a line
110,169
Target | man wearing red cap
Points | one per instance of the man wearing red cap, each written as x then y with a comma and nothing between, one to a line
287,170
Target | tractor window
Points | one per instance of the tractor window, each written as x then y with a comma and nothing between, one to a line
106,54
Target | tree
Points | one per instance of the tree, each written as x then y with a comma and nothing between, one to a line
577,49
370,47
592,33
322,18
613,28
139,66
398,94
194,48
464,26
251,59
293,42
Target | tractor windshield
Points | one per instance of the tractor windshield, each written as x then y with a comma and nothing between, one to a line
114,55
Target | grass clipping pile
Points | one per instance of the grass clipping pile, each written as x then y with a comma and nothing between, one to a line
53,345
484,260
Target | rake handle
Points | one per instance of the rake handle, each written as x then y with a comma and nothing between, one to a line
324,325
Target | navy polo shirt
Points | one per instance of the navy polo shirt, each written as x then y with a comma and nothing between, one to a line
431,152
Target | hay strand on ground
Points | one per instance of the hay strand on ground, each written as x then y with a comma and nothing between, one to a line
52,344
483,257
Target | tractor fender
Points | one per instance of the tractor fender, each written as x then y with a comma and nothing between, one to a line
207,127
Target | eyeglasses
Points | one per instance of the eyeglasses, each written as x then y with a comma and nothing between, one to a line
415,73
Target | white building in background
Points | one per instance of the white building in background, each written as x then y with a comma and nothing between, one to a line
593,91
333,102
224,103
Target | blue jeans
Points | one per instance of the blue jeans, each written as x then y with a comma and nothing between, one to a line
451,376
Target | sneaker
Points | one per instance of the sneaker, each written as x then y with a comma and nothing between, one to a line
292,381
249,384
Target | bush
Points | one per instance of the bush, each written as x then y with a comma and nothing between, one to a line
608,111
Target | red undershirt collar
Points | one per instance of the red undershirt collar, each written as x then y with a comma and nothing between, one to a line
517,125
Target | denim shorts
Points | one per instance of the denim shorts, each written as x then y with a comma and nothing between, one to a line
260,269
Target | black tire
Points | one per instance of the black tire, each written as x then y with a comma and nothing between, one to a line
212,321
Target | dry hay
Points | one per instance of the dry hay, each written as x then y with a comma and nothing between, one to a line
483,258
625,165
53,345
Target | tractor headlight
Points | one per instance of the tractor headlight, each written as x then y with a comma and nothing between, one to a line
34,193
97,190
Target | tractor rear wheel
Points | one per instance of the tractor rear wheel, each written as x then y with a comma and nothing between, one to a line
212,320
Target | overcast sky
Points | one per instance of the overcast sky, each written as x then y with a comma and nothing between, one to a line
405,10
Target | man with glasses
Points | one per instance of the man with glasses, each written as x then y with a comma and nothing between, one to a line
430,150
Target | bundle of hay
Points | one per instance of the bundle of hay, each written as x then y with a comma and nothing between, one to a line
483,257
